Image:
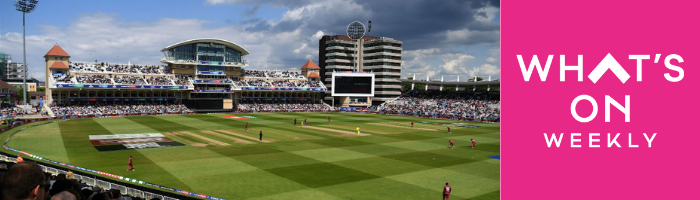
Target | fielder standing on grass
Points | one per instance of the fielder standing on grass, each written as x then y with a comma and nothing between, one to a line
449,130
246,127
411,124
295,121
473,143
329,119
446,192
261,135
131,165
452,144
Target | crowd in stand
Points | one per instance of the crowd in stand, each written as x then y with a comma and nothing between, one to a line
255,73
10,111
163,80
288,83
27,180
62,78
255,107
129,80
258,83
182,81
117,109
114,68
278,83
93,78
315,84
473,105
272,74
120,69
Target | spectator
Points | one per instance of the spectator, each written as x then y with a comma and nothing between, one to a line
69,175
65,195
117,109
24,181
255,107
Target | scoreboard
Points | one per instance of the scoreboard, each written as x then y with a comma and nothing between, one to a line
353,84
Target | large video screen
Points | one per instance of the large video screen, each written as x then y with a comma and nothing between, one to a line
353,85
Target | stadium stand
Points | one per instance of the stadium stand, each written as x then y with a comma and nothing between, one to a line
259,107
114,68
480,106
93,78
62,78
129,80
162,80
117,109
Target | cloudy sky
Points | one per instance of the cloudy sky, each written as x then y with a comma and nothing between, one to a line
441,38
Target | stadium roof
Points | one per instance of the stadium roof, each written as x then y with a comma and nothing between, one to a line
450,83
58,65
57,51
210,40
310,65
314,75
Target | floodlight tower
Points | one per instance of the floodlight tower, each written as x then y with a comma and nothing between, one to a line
25,6
356,30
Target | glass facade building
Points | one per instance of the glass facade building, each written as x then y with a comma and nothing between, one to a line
205,52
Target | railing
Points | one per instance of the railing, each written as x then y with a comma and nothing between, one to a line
130,186
92,181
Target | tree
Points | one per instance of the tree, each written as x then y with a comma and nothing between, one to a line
478,78
41,89
20,95
407,86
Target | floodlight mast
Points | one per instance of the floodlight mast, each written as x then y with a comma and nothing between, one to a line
25,6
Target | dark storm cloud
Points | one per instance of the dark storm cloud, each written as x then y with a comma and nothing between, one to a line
420,24
447,25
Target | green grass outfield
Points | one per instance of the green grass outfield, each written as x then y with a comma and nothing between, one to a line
322,161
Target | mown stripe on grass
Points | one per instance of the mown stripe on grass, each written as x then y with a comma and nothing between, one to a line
81,152
259,124
161,125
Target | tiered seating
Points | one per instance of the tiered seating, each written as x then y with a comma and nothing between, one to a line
181,82
258,83
62,78
129,80
255,107
114,68
481,106
117,109
162,80
93,79
272,74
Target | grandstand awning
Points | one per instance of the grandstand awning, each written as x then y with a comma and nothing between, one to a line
58,65
210,40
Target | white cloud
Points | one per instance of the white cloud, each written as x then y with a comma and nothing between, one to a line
103,37
300,48
486,14
317,36
491,60
436,64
